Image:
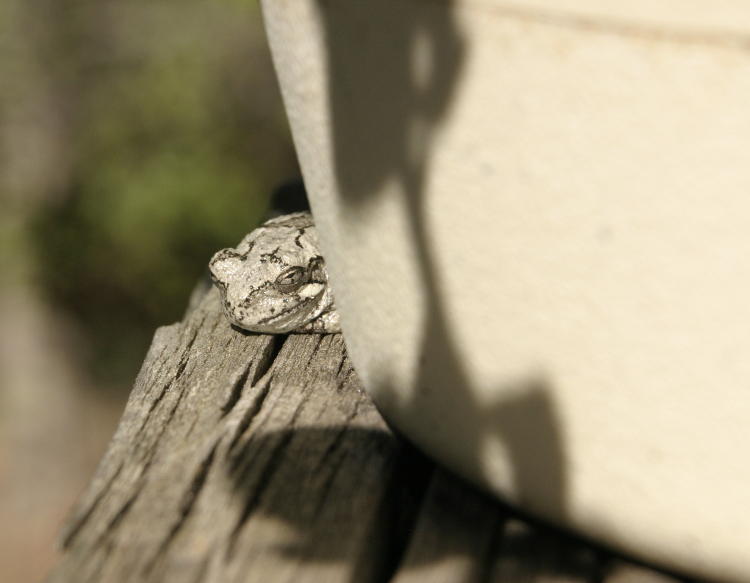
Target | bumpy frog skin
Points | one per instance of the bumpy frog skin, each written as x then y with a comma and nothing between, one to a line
275,281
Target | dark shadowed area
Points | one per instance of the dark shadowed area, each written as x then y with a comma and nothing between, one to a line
385,107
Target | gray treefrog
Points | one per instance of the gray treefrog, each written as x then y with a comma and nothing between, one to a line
275,281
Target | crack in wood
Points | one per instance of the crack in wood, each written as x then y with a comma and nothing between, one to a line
185,356
343,361
327,459
78,520
116,520
252,502
261,392
407,486
197,466
186,505
315,349
236,390
268,356
333,446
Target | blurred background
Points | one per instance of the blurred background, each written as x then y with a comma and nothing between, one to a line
136,138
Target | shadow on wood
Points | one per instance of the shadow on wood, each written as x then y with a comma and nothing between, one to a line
245,457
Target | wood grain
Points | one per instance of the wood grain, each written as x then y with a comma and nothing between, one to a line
243,457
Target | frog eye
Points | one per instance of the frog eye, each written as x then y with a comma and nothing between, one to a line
291,279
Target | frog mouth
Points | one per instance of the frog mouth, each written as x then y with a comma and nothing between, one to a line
291,318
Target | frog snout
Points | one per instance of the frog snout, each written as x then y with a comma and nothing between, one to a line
224,265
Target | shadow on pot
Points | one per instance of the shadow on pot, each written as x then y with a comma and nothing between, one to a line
394,69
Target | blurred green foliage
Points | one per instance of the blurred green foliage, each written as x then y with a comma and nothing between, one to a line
177,137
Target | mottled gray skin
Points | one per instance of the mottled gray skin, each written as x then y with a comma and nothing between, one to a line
275,281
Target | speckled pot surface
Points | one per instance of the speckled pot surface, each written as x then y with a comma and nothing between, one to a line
536,218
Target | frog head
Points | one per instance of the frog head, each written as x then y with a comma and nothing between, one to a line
275,281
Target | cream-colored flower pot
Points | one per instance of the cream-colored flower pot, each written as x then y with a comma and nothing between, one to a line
536,217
